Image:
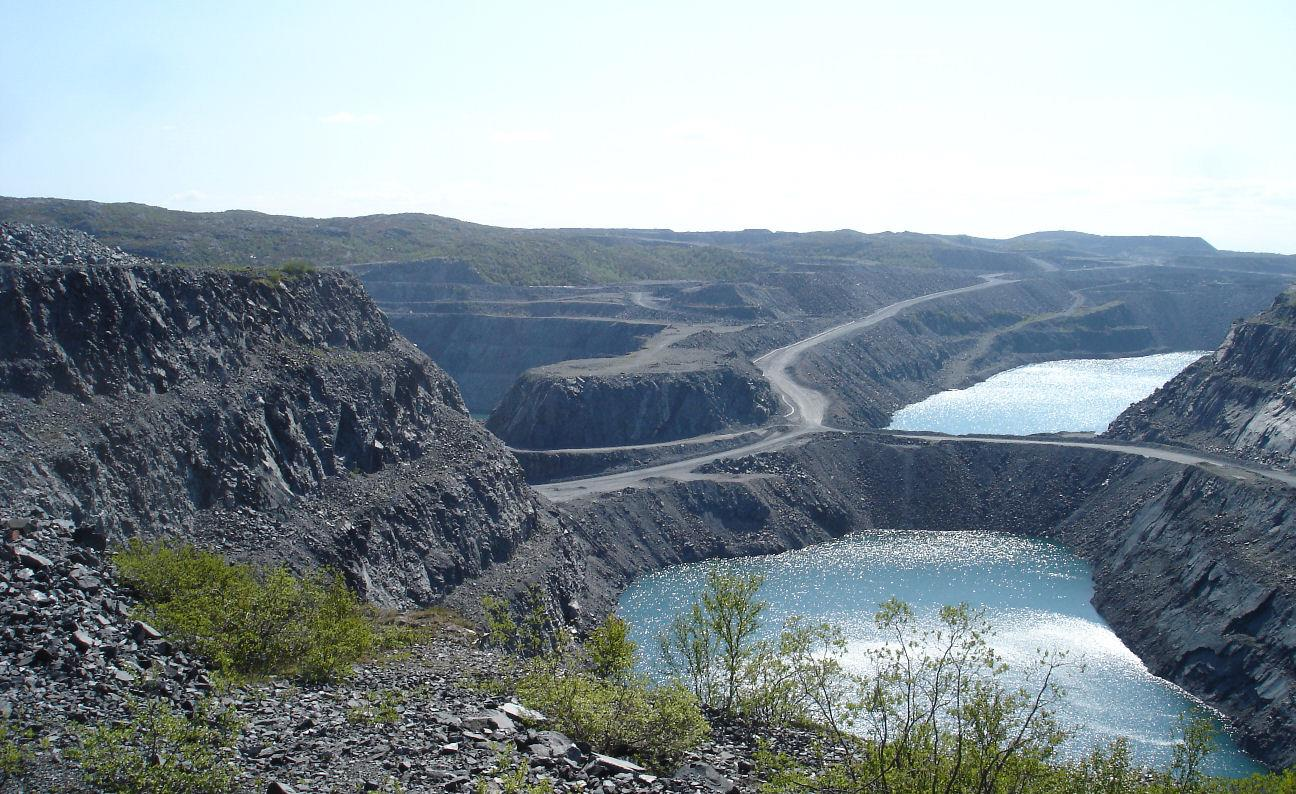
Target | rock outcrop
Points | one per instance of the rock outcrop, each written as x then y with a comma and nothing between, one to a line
1241,401
269,414
569,406
487,353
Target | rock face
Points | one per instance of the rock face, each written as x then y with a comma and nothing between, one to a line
277,417
1240,401
556,408
486,353
1193,572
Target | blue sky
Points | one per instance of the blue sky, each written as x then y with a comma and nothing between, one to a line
983,118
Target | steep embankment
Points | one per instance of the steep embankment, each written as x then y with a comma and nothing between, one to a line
486,353
1239,401
274,416
1194,573
567,406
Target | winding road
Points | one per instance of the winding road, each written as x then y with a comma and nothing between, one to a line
806,407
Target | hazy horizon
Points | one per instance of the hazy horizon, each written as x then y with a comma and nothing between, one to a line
932,232
988,121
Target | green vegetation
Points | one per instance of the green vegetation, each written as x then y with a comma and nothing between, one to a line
14,756
592,694
510,776
378,708
161,751
712,647
248,621
500,255
507,256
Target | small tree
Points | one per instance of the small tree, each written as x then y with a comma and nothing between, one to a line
1197,741
713,644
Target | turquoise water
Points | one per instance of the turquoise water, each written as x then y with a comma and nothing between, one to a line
1074,395
1036,595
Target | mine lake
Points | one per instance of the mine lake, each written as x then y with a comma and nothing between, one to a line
1035,594
1082,395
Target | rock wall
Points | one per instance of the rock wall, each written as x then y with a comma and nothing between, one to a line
485,354
1240,401
1193,572
279,419
551,409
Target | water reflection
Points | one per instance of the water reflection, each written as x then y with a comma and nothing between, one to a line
1036,595
1073,395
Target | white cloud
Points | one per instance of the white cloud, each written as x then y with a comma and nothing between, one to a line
345,117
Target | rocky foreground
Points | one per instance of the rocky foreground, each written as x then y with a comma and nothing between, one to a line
415,720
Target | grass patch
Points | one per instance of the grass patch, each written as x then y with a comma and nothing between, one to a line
378,708
15,759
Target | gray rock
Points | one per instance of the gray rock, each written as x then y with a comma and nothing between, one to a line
614,765
31,559
705,776
522,714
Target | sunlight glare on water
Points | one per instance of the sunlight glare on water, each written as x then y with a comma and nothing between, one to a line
1079,395
1036,595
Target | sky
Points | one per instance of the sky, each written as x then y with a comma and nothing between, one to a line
987,118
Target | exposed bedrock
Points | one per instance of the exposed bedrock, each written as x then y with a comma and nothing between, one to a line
1193,570
279,421
485,354
1194,573
1239,401
564,406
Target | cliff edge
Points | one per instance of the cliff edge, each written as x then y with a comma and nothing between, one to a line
275,415
1241,401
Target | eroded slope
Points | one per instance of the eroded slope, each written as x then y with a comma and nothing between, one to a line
275,416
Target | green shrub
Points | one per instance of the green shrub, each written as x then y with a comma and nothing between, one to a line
378,708
249,622
296,267
161,751
509,776
590,691
656,725
612,652
530,634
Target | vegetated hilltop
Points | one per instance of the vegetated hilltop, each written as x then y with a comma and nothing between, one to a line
561,256
1240,401
511,256
274,414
